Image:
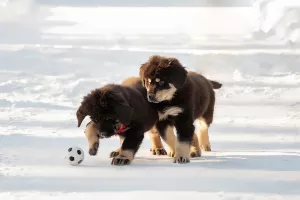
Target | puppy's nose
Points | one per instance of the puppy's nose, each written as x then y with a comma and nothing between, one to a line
151,97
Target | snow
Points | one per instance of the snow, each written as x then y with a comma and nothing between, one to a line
53,54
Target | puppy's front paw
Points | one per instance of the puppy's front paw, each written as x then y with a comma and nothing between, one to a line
158,151
182,152
195,154
205,147
120,160
171,154
93,151
114,154
181,160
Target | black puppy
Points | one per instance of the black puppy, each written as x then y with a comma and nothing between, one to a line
122,110
180,97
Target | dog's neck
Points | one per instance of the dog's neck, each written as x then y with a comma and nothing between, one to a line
123,127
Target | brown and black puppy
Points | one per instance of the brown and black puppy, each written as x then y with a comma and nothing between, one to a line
122,110
180,97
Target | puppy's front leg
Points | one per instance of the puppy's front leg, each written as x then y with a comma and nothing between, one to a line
132,141
116,152
157,146
167,134
92,135
185,131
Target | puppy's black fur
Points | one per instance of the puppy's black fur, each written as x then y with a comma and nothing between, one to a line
113,106
179,96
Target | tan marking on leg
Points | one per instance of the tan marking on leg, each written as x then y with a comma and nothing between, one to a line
91,133
157,147
116,152
121,139
170,140
182,152
204,142
155,139
127,154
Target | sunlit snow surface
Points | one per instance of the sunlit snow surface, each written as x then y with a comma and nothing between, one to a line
50,57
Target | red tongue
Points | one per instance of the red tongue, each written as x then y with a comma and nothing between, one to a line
121,129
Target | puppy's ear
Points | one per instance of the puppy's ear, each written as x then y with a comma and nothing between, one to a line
81,114
124,113
142,71
178,74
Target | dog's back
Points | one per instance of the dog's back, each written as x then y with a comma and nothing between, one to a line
136,83
203,95
132,81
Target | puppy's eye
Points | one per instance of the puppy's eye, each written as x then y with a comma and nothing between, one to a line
161,83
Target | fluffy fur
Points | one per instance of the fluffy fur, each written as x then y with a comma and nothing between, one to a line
113,106
180,97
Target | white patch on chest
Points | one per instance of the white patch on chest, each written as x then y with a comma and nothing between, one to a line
170,111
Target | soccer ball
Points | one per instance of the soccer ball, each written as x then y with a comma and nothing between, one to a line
75,155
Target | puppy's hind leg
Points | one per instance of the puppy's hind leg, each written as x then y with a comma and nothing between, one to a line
204,123
157,146
204,142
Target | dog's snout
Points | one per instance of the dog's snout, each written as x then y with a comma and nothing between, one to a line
151,97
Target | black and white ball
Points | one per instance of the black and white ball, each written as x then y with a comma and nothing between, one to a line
75,155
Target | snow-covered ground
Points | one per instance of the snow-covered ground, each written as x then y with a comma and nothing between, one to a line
52,54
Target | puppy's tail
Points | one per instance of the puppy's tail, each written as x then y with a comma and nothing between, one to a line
215,84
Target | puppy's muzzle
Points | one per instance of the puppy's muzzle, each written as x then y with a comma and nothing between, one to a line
151,98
